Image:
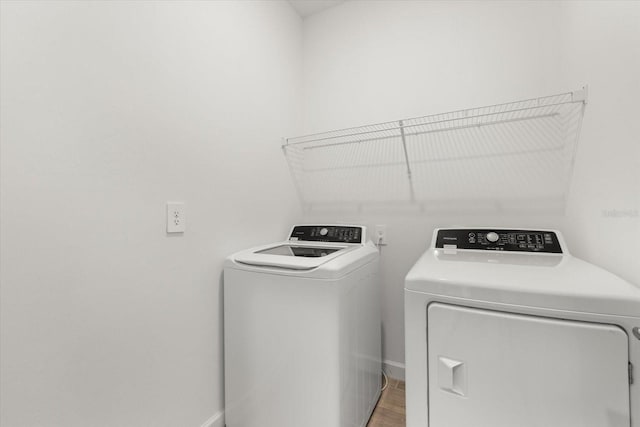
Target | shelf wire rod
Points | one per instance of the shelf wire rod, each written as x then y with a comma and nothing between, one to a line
574,148
484,124
540,166
445,158
406,159
513,174
337,133
358,141
524,104
433,122
442,129
294,174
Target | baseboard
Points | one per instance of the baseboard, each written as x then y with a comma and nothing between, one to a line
217,420
393,369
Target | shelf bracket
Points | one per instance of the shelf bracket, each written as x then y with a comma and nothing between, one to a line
581,95
406,159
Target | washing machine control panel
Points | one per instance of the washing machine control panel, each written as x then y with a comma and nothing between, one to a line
499,240
328,233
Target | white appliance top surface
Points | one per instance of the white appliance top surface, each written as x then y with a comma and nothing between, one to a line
551,281
334,264
274,255
316,251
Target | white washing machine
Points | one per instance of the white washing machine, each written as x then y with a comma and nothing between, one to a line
302,330
505,328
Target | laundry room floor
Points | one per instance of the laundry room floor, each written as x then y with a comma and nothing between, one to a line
390,410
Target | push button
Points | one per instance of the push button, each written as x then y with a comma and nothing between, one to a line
492,237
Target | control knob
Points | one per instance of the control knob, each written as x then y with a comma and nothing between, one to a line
493,237
323,231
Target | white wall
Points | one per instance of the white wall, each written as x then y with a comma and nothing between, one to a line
110,109
602,47
375,61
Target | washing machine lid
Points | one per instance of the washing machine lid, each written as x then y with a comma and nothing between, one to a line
292,256
549,280
324,251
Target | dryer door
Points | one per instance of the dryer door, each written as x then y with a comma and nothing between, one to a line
496,369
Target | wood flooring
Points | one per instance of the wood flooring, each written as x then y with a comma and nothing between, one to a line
390,411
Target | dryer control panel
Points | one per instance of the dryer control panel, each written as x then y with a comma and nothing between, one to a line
499,240
328,233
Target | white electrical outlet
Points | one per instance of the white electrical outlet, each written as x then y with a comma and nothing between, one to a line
176,219
381,235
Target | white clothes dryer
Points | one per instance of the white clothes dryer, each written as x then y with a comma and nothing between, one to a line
505,328
302,330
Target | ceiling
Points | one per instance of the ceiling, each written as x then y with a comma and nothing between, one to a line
307,8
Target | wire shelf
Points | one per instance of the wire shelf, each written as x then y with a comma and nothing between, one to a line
496,156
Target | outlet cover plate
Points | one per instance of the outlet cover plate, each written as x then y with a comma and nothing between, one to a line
176,219
381,234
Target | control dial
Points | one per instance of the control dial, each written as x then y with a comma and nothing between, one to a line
323,231
492,236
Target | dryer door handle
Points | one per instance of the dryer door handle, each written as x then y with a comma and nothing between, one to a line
452,376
